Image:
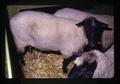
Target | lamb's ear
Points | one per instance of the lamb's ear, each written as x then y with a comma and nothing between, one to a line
105,26
81,23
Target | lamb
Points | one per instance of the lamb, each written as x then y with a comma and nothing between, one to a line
69,13
94,64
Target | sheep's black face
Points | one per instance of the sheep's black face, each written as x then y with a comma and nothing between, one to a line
84,71
93,30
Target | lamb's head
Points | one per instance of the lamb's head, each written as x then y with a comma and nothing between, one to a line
85,66
93,31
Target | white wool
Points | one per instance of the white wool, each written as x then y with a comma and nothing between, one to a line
85,57
79,16
47,32
105,66
79,61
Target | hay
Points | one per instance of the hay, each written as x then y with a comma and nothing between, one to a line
42,65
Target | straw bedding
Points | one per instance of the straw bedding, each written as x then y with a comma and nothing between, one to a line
44,65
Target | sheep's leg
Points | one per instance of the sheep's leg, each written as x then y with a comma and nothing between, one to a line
21,55
66,61
19,62
21,58
17,67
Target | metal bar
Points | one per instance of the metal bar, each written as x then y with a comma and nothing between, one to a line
7,59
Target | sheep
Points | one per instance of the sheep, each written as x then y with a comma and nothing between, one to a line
94,64
47,32
69,13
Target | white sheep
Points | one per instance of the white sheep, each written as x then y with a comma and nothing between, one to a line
103,69
78,15
47,32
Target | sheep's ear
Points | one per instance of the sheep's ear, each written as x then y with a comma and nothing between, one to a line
81,24
105,26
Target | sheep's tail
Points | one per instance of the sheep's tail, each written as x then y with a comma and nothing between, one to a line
105,49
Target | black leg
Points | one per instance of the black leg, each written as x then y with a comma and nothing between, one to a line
20,71
64,67
65,64
17,67
20,62
21,55
68,60
21,58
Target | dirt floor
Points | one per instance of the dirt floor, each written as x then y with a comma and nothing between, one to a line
42,65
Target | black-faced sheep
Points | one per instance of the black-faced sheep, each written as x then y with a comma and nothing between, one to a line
47,32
